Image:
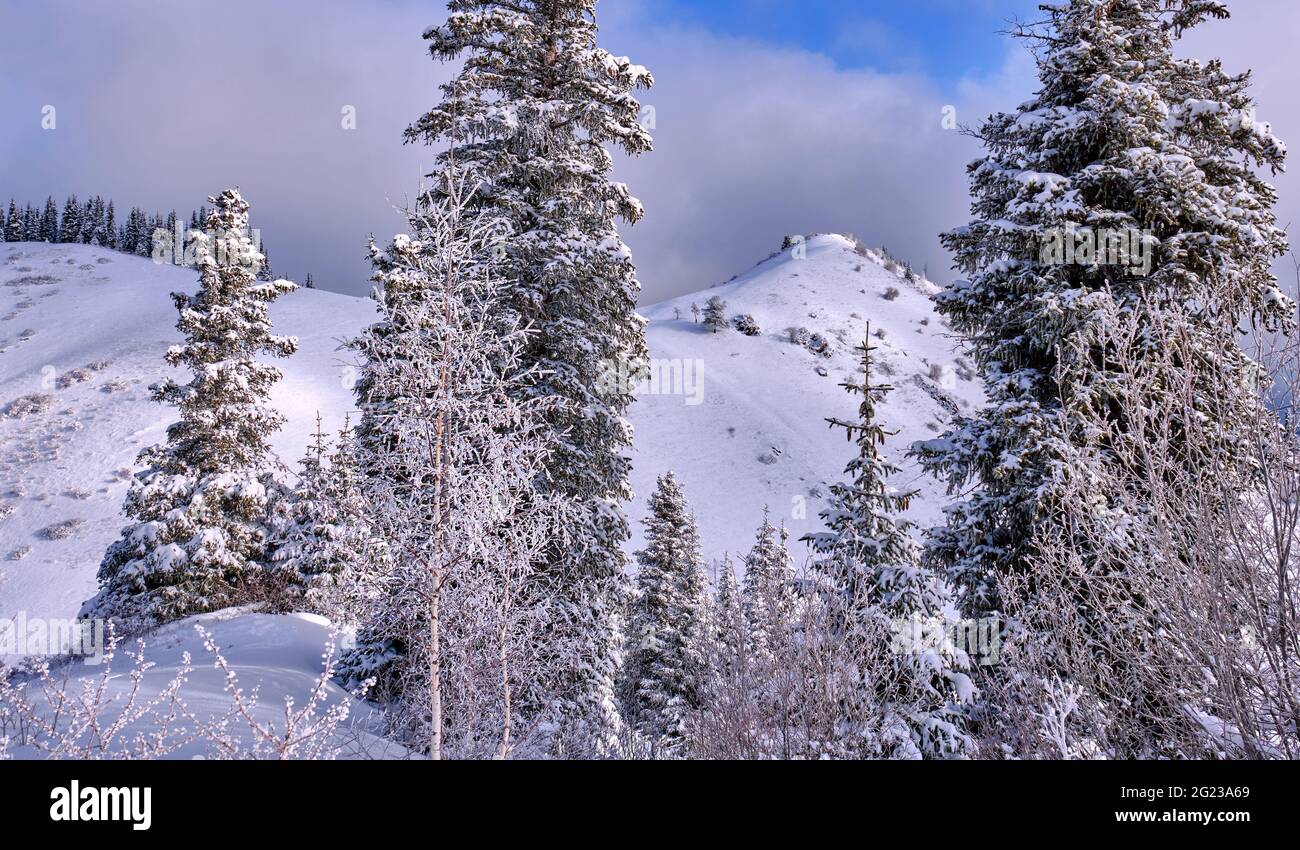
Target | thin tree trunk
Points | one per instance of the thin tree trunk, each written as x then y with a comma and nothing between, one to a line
435,670
504,748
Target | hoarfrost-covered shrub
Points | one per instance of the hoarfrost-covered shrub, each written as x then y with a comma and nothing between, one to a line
746,324
27,405
61,530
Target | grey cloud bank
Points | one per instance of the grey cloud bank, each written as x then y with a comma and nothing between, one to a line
159,105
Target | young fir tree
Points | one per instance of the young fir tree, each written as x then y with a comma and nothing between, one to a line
88,220
13,224
769,600
715,314
668,626
871,566
450,451
727,613
170,225
534,106
323,548
200,508
110,227
265,273
31,224
70,230
1122,138
145,236
50,221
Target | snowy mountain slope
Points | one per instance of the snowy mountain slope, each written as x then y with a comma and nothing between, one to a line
84,330
756,435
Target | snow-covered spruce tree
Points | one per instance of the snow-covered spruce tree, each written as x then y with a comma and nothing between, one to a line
32,223
533,108
92,221
1123,140
13,224
667,628
265,273
715,314
110,227
1163,659
50,221
871,566
323,550
769,599
200,507
70,228
727,612
449,451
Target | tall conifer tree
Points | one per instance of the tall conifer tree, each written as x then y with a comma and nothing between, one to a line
532,110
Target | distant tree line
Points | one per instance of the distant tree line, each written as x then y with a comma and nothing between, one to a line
94,222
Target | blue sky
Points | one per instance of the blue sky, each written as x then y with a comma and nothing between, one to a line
945,39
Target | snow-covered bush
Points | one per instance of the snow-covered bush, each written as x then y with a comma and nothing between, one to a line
746,324
27,405
61,530
72,377
46,713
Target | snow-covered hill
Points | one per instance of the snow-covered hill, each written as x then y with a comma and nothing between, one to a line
756,434
82,334
83,330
